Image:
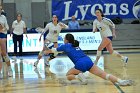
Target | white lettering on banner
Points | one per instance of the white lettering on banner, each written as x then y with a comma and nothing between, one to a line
114,8
110,9
67,8
124,9
83,12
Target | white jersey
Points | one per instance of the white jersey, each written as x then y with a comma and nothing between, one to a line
3,22
103,26
53,31
18,27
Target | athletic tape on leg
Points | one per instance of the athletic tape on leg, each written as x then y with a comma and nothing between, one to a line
115,53
1,58
107,76
98,53
6,58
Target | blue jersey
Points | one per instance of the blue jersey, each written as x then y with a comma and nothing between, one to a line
74,53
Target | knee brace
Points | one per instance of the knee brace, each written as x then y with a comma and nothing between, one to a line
98,53
107,76
115,53
6,58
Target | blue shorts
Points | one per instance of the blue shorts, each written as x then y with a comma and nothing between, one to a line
84,64
110,37
2,35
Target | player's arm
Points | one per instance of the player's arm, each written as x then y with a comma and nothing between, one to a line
113,28
114,32
12,29
60,49
63,26
94,27
43,31
110,23
41,36
6,27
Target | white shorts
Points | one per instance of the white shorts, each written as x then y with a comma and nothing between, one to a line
51,39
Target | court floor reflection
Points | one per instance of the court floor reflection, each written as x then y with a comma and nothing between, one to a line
28,79
25,69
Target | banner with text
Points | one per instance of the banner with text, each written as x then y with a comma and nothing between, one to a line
85,9
88,41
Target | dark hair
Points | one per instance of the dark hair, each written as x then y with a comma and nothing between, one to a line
56,17
71,40
102,14
19,14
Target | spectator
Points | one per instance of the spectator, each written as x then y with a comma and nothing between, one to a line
73,24
18,28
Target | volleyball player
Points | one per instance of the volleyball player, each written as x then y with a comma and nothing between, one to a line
0,63
54,29
3,35
82,62
107,34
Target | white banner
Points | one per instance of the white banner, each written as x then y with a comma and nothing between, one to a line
88,41
30,44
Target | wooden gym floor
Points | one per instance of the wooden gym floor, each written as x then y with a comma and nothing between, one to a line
26,79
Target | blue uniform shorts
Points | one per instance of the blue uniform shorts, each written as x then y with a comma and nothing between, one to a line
84,64
2,35
110,37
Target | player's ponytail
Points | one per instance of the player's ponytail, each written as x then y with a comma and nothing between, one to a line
76,43
71,40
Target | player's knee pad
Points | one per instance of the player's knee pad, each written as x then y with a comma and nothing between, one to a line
6,58
52,55
115,53
99,53
107,76
54,51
